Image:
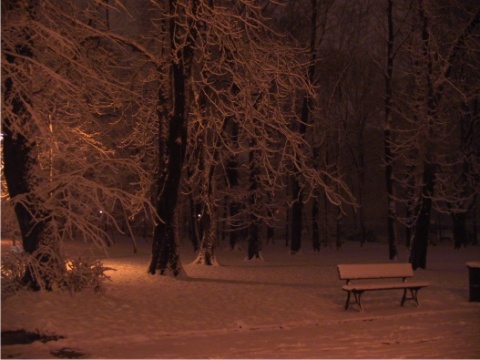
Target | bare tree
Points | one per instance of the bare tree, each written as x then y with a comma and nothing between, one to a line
423,141
61,89
238,73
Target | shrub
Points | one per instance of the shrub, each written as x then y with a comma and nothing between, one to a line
51,271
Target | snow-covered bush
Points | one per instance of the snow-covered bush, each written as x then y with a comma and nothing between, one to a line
85,272
12,270
51,271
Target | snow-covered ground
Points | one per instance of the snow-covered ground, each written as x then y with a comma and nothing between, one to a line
283,307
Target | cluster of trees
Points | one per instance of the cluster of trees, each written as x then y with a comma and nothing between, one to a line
234,114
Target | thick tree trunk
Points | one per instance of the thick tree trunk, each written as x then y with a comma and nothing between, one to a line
164,248
18,158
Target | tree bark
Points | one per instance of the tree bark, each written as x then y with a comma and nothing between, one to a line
460,229
164,248
419,241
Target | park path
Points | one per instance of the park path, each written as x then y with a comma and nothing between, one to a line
436,334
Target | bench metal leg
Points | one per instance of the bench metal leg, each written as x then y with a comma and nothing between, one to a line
357,295
414,296
348,300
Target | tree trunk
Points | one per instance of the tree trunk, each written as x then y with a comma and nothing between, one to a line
287,225
164,248
232,178
338,229
475,227
315,227
460,229
391,213
296,225
254,240
297,209
419,241
206,255
234,233
194,226
18,158
270,227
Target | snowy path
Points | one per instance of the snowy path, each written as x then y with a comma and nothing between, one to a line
366,338
429,334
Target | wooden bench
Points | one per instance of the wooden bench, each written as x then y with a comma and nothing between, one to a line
350,272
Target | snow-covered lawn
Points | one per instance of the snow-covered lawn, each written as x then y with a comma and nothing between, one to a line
285,306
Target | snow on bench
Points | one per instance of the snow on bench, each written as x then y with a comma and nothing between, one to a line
402,271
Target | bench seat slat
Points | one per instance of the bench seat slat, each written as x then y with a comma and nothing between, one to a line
384,286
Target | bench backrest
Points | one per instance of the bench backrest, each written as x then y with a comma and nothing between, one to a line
374,271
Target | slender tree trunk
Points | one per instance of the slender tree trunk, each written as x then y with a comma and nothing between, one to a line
270,227
287,225
363,227
206,255
297,208
338,229
419,242
475,227
193,224
409,211
327,230
234,233
315,227
296,218
460,229
391,213
254,240
233,181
